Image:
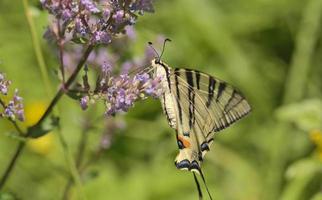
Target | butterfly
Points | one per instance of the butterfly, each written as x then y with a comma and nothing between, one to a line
197,105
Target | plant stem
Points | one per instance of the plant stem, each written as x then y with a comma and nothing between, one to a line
73,167
65,87
37,48
12,163
304,49
54,101
60,43
79,158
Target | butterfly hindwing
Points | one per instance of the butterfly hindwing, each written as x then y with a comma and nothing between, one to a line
189,123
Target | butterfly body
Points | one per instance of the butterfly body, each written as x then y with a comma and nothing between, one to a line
167,101
197,105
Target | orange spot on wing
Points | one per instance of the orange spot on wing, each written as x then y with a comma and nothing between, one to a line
185,142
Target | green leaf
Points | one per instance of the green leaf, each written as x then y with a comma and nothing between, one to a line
304,177
44,128
76,95
307,114
80,40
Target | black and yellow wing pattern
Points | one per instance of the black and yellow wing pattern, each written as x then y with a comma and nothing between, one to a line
197,105
205,105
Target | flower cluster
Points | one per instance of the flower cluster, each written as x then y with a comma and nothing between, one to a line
108,56
14,108
120,93
102,22
94,21
115,87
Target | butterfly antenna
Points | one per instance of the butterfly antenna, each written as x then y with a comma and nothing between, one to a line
165,41
198,186
155,51
204,181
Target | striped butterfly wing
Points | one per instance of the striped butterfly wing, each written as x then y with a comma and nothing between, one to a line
204,105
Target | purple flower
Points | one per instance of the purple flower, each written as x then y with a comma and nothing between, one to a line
67,14
106,13
90,6
19,108
14,109
118,16
142,77
80,28
106,68
84,102
130,32
4,84
101,37
124,91
119,93
9,110
94,21
20,114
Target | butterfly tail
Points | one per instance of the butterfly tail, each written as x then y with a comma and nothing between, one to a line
198,186
204,181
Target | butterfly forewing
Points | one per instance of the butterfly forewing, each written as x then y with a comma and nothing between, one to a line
220,103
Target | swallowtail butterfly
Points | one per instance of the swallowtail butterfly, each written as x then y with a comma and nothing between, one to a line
197,105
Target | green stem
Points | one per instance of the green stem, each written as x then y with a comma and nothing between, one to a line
65,87
12,163
44,73
37,48
79,158
71,164
304,48
14,123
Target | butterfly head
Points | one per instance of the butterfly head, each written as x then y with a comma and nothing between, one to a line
159,68
157,59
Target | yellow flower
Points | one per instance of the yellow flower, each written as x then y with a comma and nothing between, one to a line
320,155
42,145
316,137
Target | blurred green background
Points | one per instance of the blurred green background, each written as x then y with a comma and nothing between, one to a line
270,49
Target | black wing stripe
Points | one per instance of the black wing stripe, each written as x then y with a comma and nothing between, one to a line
167,71
221,88
191,96
176,74
235,104
211,87
230,99
198,79
164,108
